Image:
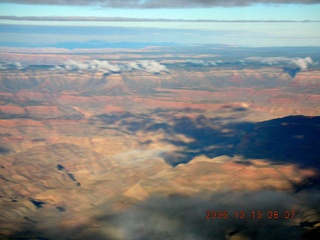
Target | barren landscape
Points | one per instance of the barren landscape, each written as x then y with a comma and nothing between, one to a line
100,148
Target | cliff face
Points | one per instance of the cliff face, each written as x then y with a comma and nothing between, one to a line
202,79
266,88
79,148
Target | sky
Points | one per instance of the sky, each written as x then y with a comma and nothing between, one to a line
236,22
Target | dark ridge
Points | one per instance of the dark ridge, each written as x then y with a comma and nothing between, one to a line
308,224
22,236
292,71
12,116
233,233
4,150
5,179
239,109
38,139
60,167
5,134
71,176
245,163
61,209
30,220
38,204
308,183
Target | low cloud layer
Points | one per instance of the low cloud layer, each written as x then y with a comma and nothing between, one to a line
162,3
302,63
203,63
12,66
106,67
90,65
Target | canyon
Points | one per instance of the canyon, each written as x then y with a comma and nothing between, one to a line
84,153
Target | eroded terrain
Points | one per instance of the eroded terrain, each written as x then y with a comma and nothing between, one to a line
90,155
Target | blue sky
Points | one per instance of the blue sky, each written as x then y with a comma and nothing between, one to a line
237,33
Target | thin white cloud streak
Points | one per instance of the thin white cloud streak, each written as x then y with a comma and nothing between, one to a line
123,19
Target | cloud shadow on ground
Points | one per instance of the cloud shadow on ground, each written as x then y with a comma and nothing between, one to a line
292,139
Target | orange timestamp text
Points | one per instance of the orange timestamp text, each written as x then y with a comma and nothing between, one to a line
254,214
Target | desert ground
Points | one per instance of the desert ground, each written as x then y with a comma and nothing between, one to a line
139,144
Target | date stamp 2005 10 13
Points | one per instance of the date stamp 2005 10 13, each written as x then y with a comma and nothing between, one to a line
254,214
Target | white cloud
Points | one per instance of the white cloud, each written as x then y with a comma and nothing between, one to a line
12,65
152,66
89,65
106,67
302,63
133,66
203,63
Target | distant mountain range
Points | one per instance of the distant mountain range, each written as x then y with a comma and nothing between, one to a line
102,44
